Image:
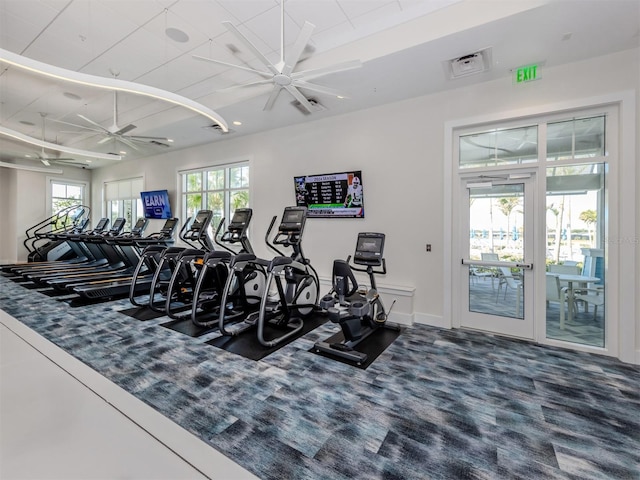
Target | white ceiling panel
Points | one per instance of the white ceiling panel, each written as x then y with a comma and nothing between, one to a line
245,10
204,16
129,37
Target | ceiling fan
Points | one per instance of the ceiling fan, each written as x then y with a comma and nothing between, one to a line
282,74
117,133
44,157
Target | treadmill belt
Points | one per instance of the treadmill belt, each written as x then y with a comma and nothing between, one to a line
248,346
373,346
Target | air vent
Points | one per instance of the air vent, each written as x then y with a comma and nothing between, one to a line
217,128
317,106
470,64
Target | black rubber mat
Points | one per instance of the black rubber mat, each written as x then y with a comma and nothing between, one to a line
373,346
186,326
142,313
248,346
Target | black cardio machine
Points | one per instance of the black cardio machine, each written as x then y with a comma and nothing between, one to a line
178,268
358,313
291,290
244,290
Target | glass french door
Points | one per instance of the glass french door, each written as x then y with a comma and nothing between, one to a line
496,282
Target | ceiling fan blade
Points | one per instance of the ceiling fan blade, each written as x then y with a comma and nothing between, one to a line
247,69
272,98
319,72
73,125
126,129
298,47
245,85
93,123
247,43
127,142
318,88
300,97
142,138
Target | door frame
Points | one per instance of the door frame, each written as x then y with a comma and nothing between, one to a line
622,262
506,325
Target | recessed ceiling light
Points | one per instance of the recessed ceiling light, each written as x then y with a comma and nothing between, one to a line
176,35
122,152
72,96
237,122
27,155
27,123
89,161
170,140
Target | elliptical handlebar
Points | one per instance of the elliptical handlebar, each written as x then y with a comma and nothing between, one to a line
266,237
382,271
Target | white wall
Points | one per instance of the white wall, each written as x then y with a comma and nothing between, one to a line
8,214
25,204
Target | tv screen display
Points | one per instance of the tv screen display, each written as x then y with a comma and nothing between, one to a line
156,204
332,195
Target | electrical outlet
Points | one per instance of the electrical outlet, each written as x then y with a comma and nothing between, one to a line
428,247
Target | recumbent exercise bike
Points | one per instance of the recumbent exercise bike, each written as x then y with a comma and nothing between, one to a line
358,313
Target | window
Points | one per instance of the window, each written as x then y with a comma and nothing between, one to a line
499,147
220,189
65,195
122,199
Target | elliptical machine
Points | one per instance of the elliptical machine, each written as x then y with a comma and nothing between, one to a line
359,315
219,266
178,268
291,290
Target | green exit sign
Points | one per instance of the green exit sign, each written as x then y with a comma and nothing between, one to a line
528,73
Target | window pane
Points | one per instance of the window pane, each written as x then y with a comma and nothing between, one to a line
194,182
499,147
74,191
194,203
576,227
239,199
215,180
58,190
239,177
215,203
576,138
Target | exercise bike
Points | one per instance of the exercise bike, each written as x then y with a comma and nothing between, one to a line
359,313
291,289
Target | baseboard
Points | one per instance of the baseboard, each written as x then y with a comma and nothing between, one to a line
431,320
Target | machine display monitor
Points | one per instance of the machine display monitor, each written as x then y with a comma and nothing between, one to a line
240,216
293,218
332,195
156,204
369,248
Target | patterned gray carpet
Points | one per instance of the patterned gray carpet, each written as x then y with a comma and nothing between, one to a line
437,403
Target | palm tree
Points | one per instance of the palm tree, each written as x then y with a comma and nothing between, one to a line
590,217
506,206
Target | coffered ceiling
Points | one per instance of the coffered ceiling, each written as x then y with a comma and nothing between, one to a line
404,46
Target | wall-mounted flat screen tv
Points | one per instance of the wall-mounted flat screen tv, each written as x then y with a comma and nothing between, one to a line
331,195
156,204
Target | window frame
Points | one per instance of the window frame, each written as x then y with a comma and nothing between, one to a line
204,191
